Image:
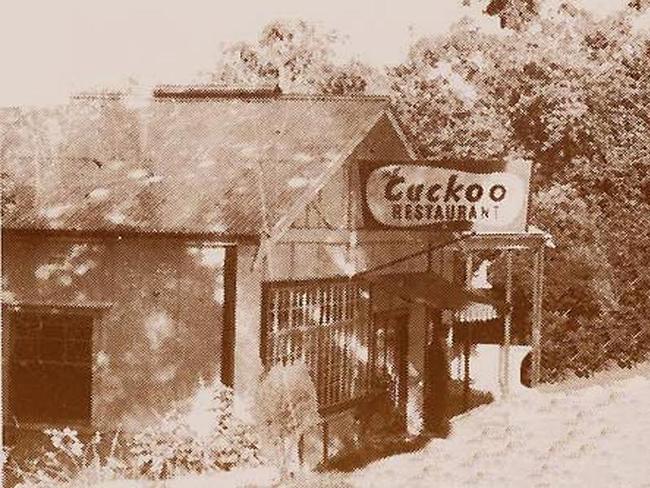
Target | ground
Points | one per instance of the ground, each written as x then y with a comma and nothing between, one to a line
581,433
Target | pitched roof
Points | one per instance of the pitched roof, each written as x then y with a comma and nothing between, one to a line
220,166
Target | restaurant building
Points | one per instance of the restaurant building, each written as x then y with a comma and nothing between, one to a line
212,233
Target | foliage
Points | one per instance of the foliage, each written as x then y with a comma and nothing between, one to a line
514,14
286,407
640,5
297,56
201,435
72,463
570,92
196,438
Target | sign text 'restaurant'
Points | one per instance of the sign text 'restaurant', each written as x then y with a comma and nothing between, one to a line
411,195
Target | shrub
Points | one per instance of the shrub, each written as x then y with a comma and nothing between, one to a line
71,463
203,435
286,406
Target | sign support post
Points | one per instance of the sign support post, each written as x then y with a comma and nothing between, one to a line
507,325
538,290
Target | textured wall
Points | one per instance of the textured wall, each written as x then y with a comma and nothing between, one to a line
161,328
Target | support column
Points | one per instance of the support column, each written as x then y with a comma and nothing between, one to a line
469,271
229,326
248,335
536,333
3,364
507,324
436,378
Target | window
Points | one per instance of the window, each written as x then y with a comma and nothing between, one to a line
326,325
49,366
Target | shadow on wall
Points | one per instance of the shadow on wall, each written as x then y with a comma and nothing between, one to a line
157,314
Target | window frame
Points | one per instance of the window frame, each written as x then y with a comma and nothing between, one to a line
93,312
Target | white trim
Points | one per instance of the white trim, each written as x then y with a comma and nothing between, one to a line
288,219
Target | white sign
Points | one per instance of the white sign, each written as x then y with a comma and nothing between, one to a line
414,195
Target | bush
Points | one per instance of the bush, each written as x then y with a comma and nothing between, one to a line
286,406
71,463
199,437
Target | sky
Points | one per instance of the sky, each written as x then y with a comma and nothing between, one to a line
51,49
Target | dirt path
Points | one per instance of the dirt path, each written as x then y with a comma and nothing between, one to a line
583,433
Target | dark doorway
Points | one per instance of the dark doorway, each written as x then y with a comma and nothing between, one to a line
436,377
50,367
391,355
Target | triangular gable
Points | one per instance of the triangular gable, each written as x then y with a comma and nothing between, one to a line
384,139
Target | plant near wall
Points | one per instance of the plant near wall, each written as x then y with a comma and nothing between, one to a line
286,407
70,462
201,436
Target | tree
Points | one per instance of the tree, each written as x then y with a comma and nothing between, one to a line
570,92
441,94
514,14
640,5
297,56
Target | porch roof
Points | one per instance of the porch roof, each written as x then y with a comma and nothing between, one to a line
432,289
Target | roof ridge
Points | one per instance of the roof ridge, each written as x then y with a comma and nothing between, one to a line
216,91
332,96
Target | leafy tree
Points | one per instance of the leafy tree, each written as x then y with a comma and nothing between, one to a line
570,92
442,95
514,14
640,5
297,56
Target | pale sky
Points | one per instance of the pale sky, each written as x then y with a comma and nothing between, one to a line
50,49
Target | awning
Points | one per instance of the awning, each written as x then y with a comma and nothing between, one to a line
432,289
476,312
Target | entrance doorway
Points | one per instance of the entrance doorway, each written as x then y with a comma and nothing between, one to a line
391,355
436,377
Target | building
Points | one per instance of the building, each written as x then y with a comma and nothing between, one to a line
213,233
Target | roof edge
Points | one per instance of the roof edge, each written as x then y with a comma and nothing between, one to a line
309,194
215,91
328,96
226,239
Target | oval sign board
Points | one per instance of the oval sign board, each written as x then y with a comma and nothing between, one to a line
414,195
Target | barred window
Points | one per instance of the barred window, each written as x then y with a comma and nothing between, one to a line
326,325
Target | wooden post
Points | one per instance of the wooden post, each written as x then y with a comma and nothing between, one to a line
469,272
3,385
301,450
466,373
326,443
538,290
229,305
507,323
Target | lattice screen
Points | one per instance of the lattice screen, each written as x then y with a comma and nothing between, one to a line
326,325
